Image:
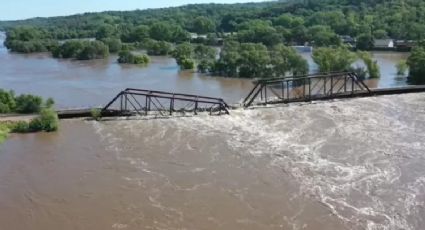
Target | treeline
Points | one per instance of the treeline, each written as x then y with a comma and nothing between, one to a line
294,22
255,31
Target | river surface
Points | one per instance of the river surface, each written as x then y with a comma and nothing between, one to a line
93,83
349,164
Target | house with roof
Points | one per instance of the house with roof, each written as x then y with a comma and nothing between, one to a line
404,45
383,44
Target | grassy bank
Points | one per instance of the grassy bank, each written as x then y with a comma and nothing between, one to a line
47,121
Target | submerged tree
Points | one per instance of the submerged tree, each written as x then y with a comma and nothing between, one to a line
371,65
227,64
184,56
286,59
205,57
333,59
114,44
125,56
82,50
254,61
158,47
402,67
416,63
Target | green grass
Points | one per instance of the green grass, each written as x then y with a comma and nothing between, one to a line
4,131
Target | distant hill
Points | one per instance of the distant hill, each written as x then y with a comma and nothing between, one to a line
295,21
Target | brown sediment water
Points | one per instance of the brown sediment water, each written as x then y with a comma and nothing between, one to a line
77,84
348,164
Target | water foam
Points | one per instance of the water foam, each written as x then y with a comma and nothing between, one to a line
349,155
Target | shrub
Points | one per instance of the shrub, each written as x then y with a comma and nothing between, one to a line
26,103
372,65
21,127
93,50
141,59
158,47
187,63
7,101
402,67
82,50
114,44
49,102
125,56
96,114
47,121
69,49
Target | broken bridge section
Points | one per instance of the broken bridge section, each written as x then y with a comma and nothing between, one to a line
306,88
144,102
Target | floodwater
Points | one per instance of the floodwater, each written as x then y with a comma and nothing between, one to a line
76,84
349,164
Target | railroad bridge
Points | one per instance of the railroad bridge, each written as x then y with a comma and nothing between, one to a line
265,91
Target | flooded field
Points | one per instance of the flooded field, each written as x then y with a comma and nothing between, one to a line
349,164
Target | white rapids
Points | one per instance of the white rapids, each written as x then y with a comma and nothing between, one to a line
359,163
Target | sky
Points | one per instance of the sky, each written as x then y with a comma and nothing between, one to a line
22,9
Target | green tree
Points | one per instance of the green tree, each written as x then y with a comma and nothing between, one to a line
402,67
323,36
158,47
416,63
184,56
69,49
229,58
364,42
372,65
285,59
380,34
114,44
179,35
27,103
139,34
203,25
161,31
106,31
125,56
47,121
7,101
205,56
254,60
259,32
333,59
93,50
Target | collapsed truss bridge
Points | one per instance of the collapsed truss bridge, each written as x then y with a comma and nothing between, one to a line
144,102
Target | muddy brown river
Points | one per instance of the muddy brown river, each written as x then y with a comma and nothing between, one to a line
350,164
345,164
